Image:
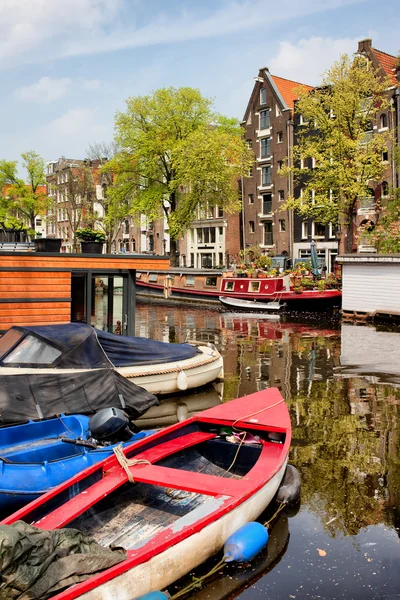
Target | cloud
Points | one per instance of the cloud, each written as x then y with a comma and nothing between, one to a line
90,84
307,60
42,29
75,121
45,90
49,89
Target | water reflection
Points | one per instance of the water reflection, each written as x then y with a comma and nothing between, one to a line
344,400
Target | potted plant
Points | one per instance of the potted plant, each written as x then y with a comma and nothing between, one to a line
47,244
91,240
298,289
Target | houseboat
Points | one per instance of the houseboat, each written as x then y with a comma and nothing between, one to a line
210,285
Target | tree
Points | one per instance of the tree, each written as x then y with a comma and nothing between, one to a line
29,200
115,207
79,204
385,236
176,156
338,137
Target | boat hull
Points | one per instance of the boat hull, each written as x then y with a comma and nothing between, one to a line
170,378
169,566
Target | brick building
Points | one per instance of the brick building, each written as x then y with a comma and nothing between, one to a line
268,127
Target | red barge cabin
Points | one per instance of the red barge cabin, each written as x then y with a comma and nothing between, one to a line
210,284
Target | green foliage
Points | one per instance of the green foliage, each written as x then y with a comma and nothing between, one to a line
337,135
86,234
386,235
176,156
27,199
264,262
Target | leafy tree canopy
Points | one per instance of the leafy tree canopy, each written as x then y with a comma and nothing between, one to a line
28,198
177,155
337,138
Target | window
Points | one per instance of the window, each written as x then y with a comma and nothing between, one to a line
266,176
282,225
250,173
265,147
280,165
251,198
192,259
319,230
312,163
281,195
126,227
189,280
302,163
385,188
211,281
221,258
263,95
206,235
221,232
199,236
301,120
268,239
32,351
251,225
220,211
248,122
254,286
264,119
304,230
249,143
280,137
229,286
267,204
384,121
385,156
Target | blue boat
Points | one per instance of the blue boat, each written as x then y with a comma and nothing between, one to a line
38,455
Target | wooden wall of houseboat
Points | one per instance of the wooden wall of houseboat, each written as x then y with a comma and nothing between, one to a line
35,288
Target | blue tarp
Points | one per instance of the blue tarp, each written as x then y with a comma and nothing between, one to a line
127,351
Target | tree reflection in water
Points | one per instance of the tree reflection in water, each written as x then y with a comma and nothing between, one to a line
345,426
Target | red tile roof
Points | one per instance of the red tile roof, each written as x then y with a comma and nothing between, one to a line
287,89
388,64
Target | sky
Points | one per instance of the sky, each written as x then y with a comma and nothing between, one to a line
67,66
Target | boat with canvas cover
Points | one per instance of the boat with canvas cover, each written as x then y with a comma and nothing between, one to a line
158,367
173,499
38,455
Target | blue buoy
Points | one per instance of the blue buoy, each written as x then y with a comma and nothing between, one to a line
246,542
153,596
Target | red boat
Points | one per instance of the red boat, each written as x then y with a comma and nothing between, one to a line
210,285
195,483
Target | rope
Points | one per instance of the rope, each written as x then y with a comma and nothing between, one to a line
197,582
125,463
256,413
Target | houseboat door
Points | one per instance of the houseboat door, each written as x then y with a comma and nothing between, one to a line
105,298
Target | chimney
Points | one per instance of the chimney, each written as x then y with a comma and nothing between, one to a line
364,45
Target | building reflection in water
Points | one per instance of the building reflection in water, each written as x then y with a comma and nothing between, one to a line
345,425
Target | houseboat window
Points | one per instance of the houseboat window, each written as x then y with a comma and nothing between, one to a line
254,286
32,351
211,281
189,279
138,275
229,286
153,278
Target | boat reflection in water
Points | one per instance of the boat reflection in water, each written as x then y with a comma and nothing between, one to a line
178,408
234,577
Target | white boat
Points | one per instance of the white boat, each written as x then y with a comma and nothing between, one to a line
76,348
193,487
252,305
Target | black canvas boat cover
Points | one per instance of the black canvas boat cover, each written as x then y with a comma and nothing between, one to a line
69,346
36,396
127,351
79,346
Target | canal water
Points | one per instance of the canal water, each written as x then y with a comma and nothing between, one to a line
341,384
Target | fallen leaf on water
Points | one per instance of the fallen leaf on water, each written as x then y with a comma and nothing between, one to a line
321,552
